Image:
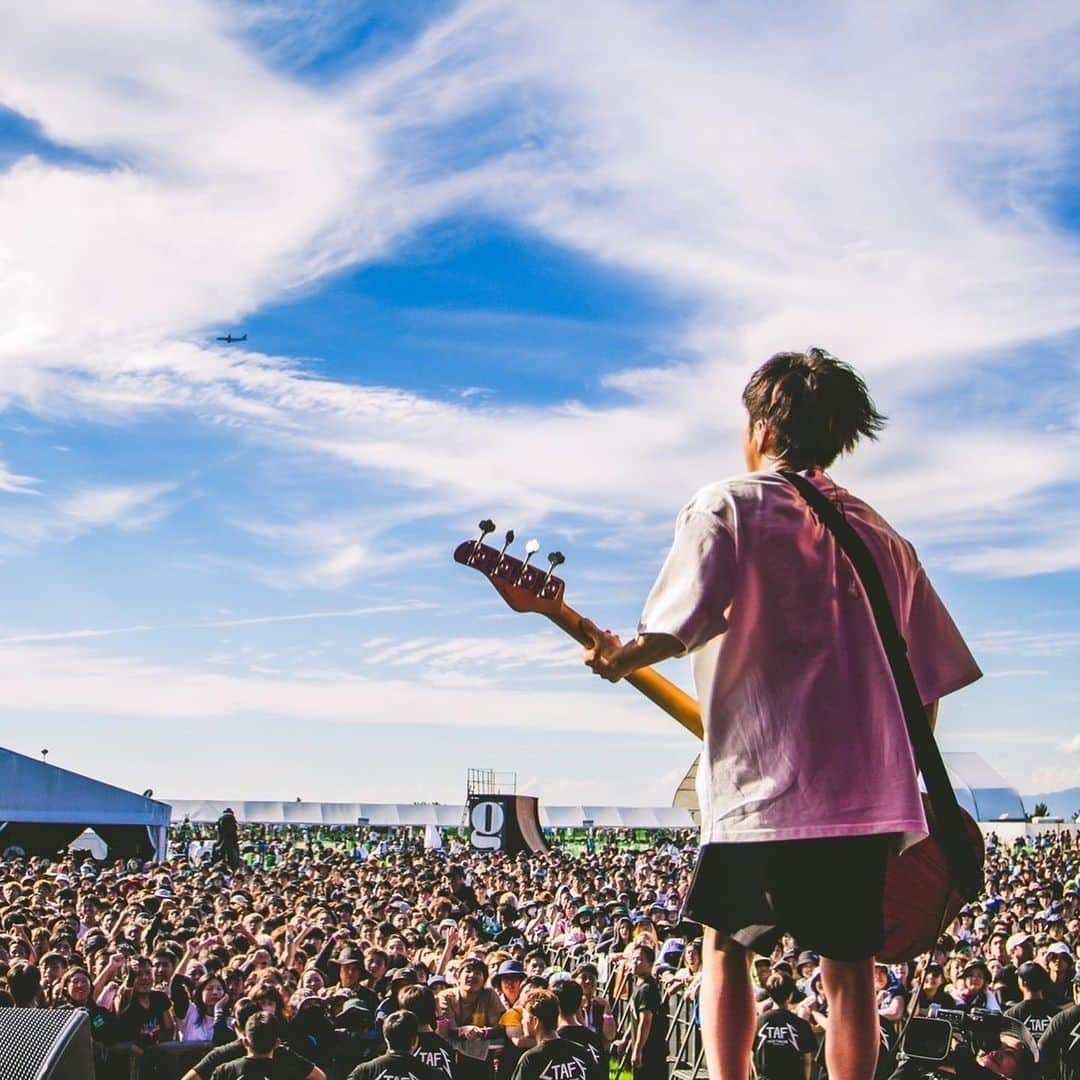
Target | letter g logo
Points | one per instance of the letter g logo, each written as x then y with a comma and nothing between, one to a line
487,819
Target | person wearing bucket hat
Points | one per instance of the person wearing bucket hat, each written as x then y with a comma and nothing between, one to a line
1062,967
508,980
976,992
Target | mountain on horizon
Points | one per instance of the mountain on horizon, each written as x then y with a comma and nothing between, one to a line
1062,804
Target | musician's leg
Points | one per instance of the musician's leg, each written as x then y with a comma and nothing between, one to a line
851,1049
728,1016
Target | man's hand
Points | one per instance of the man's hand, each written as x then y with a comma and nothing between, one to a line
601,655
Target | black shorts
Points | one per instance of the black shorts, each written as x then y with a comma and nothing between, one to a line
828,894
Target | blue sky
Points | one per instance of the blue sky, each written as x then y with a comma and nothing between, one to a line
511,261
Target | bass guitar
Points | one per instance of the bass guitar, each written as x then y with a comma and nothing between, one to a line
921,895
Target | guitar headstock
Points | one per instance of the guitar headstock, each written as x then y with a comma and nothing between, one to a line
523,586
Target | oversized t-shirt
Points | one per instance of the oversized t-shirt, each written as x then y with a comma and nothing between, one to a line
592,1045
780,1043
555,1059
1059,1046
436,1053
285,1065
648,998
394,1066
804,732
1034,1015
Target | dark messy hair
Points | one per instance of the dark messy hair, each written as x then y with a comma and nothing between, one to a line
816,406
780,987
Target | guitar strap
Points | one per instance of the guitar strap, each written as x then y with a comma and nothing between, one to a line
951,831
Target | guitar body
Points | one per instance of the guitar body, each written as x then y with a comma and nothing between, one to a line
921,898
919,888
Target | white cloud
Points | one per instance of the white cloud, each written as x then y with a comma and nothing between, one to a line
124,506
39,637
13,484
1028,642
540,651
64,679
1073,745
887,204
1050,778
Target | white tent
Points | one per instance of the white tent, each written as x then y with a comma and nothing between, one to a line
443,816
43,808
312,813
983,792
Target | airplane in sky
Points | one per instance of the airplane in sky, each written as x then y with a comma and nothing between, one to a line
230,340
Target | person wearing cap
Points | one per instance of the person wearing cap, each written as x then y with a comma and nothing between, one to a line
934,991
507,982
1034,1011
1059,1046
976,992
785,646
1021,948
1061,966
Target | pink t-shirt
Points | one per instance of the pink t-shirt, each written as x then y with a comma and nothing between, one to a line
804,733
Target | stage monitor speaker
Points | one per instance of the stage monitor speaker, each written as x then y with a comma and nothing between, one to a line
45,1044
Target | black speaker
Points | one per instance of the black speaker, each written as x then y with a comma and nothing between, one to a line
45,1044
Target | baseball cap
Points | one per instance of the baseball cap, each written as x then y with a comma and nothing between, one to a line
1059,948
1017,940
1032,973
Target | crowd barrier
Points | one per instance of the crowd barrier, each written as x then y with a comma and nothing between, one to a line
686,1052
164,1061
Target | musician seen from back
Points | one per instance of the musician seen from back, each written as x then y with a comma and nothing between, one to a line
807,771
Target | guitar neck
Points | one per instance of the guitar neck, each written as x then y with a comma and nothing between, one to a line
675,702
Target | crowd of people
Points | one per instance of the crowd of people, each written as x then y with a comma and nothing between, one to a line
284,956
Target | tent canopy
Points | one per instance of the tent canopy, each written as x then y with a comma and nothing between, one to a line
445,816
33,791
43,808
984,793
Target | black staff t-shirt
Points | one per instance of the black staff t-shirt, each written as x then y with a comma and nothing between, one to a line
1059,1048
436,1053
593,1047
245,1068
555,1059
394,1066
781,1042
1034,1015
285,1065
647,998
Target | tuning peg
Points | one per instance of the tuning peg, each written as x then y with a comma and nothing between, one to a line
555,558
531,548
509,540
486,526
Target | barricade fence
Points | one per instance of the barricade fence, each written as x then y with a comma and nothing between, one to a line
162,1061
686,1055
